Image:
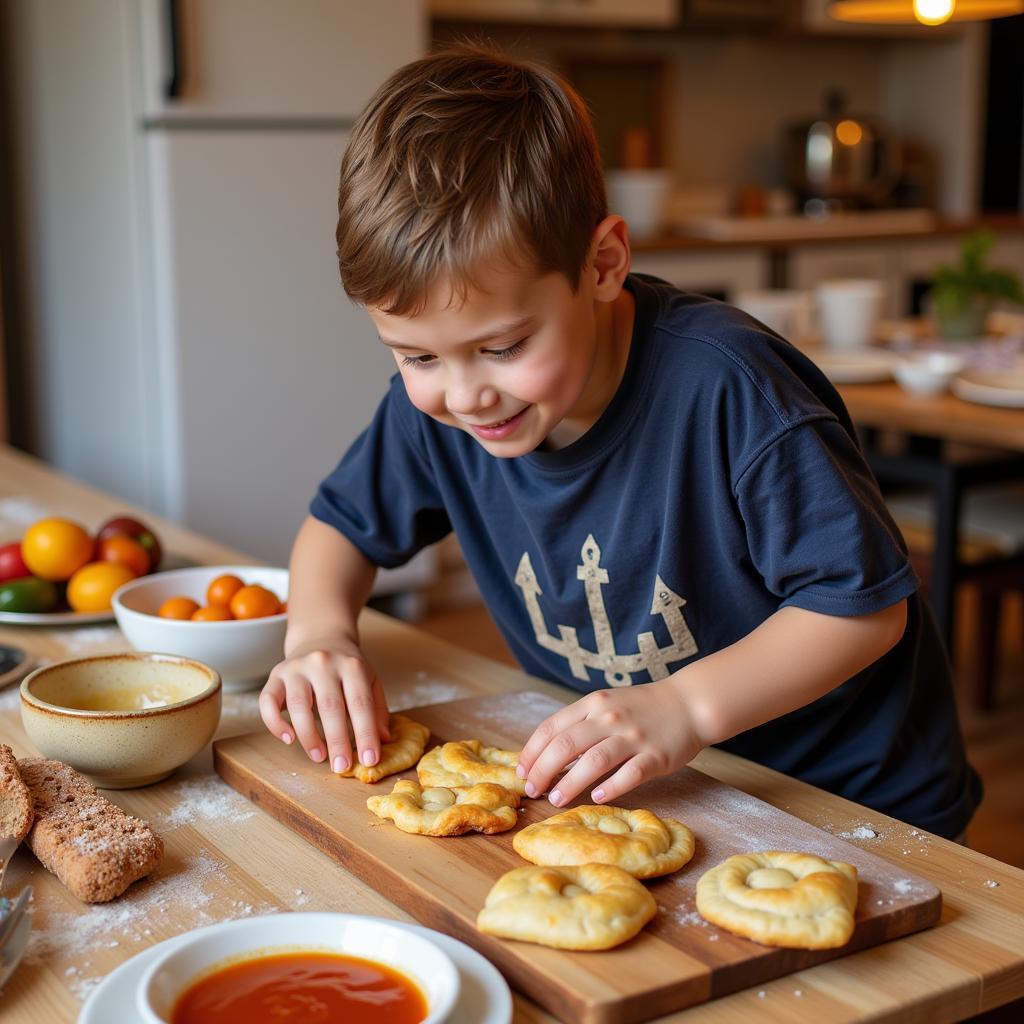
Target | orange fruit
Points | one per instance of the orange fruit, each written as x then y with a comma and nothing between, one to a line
178,608
254,602
123,550
55,548
91,587
212,613
222,589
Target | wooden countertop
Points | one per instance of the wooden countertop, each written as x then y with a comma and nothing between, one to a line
1001,224
225,858
888,407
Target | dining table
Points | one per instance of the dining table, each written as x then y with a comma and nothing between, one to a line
226,858
938,430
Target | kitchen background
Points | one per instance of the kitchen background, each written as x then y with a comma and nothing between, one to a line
174,330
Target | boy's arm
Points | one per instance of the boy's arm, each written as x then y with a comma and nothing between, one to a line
324,672
791,659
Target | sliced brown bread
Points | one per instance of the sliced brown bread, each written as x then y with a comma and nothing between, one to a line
15,799
94,847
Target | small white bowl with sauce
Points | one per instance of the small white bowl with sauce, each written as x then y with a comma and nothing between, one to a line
417,974
124,720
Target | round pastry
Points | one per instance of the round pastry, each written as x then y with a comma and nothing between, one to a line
637,841
467,762
403,750
590,906
795,900
485,807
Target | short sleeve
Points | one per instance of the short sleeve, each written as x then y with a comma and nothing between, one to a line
383,495
817,528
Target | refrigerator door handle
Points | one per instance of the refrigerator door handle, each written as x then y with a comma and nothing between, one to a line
175,75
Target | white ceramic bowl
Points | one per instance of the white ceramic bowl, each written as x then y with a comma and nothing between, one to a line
641,197
927,373
371,938
243,651
124,720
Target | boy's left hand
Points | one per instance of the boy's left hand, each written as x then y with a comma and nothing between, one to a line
645,732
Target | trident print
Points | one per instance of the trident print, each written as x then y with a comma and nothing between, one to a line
617,668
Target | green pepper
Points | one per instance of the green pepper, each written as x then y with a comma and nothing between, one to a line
29,594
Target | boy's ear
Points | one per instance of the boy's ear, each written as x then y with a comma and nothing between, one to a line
611,257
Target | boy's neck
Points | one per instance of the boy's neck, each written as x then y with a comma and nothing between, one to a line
614,326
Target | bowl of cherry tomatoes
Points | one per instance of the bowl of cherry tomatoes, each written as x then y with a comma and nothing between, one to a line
230,617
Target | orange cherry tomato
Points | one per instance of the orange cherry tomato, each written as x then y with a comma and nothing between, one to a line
91,587
55,548
254,602
123,550
212,613
222,589
178,608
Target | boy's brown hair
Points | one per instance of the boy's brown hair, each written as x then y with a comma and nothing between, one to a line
459,159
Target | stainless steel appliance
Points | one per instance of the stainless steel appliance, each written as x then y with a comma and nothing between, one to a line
837,161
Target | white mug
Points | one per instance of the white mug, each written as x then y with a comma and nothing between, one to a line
849,310
789,312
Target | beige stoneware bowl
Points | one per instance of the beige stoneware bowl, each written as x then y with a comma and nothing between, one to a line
124,720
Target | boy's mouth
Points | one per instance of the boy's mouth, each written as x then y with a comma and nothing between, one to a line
499,429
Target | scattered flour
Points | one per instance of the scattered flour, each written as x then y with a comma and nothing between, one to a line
684,916
63,936
860,832
428,691
991,883
518,714
83,640
207,800
18,513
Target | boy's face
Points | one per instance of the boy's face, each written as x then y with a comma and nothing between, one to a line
507,365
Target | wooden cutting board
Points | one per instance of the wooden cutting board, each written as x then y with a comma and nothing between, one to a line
676,961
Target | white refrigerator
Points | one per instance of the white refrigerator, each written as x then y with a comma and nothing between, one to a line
188,343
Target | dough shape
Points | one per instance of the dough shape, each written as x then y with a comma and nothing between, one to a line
439,811
467,762
403,750
588,906
776,898
637,841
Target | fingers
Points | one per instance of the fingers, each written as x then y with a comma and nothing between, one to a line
540,740
637,769
299,696
333,718
594,763
564,748
271,701
363,703
383,715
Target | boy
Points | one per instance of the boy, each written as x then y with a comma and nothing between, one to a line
663,503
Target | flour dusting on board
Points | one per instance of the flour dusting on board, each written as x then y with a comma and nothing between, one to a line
426,690
518,714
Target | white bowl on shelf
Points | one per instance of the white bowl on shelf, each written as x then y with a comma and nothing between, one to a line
243,651
412,954
927,373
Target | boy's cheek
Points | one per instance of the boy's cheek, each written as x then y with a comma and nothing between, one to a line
426,399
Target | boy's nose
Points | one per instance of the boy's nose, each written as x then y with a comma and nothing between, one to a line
467,397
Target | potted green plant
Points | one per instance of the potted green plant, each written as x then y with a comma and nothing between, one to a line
963,293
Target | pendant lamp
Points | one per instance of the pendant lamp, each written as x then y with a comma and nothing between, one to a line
924,12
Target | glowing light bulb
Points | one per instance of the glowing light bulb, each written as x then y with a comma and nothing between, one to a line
933,12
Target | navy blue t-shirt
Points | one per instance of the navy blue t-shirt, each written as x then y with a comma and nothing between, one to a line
722,482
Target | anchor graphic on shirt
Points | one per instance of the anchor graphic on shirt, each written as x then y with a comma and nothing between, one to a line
617,668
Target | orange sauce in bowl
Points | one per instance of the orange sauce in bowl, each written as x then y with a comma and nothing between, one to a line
302,988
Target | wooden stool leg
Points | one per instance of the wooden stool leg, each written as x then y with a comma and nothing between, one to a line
990,599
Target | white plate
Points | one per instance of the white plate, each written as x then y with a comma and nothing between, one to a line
856,366
484,998
1004,389
170,562
55,618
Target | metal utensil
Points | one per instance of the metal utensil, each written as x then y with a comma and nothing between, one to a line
15,930
7,848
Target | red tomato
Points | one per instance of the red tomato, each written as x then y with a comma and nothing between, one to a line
12,565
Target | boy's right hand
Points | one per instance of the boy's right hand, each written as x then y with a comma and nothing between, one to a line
336,682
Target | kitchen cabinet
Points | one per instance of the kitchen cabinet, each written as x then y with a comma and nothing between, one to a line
592,13
736,14
721,274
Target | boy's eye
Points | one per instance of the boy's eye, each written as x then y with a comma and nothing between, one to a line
506,353
417,360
